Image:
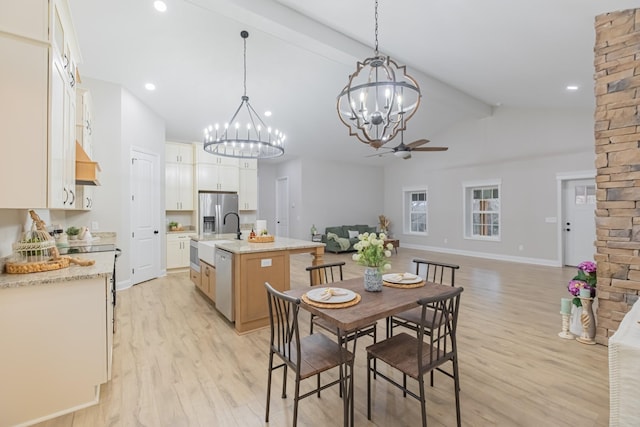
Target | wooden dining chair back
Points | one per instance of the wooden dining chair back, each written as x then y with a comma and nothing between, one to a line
414,356
431,271
436,272
325,274
306,356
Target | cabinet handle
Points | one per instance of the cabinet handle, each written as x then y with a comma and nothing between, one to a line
73,195
65,61
72,80
66,196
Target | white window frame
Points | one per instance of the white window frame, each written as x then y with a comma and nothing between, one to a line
406,210
467,204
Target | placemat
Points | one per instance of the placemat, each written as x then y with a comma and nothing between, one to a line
331,305
401,286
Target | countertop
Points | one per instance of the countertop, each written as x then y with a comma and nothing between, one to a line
243,246
103,267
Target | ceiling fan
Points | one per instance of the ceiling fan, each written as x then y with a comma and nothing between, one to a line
404,150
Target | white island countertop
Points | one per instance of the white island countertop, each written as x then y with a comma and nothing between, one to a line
103,267
235,246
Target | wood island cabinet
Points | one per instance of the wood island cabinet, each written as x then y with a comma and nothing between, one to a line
251,271
208,280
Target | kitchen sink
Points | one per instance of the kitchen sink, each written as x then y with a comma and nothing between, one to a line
207,250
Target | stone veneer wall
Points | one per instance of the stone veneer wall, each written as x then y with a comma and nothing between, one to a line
617,137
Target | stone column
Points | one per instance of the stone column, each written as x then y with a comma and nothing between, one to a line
617,139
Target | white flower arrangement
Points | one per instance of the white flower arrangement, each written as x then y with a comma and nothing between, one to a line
372,252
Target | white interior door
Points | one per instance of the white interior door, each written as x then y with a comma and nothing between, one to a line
579,225
145,208
282,207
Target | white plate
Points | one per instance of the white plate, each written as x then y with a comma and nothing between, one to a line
401,278
317,294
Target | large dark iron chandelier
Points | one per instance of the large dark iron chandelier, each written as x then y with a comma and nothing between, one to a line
247,138
379,98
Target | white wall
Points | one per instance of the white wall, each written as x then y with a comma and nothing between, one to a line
324,193
524,148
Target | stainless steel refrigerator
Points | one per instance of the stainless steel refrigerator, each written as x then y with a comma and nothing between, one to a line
212,208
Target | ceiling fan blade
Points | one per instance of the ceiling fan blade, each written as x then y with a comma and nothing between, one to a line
431,149
379,154
417,143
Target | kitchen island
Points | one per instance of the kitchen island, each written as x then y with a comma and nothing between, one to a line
252,265
57,335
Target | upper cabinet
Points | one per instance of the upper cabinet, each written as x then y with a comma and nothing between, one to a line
84,131
217,173
248,194
176,152
40,50
179,188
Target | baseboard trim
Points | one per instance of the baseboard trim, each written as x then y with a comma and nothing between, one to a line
497,257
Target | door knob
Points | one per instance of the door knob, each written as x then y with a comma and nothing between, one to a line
568,223
155,231
568,229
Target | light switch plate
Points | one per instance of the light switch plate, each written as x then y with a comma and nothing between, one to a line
265,262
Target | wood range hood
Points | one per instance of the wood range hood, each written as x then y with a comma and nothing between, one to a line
86,169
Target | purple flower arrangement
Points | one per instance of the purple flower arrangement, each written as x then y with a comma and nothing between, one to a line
585,279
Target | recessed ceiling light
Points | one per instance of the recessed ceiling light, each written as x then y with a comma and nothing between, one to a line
150,86
267,113
160,6
572,87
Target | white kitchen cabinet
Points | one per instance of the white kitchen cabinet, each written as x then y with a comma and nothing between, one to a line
218,178
56,347
28,18
179,188
178,250
176,152
38,88
84,131
24,88
248,193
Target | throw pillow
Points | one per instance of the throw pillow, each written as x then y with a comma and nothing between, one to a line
353,233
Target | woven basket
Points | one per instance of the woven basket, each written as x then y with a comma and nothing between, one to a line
262,239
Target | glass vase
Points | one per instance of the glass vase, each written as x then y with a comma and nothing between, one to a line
372,279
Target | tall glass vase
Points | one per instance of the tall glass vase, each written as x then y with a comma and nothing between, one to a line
372,279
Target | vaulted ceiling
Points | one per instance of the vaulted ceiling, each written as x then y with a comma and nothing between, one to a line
468,57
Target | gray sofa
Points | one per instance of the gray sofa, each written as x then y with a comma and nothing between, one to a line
342,238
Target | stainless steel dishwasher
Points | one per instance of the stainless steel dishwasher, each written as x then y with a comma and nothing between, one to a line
224,283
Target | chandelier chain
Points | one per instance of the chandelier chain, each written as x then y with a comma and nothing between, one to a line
376,28
245,65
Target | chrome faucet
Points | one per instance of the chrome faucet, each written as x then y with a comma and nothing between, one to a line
224,221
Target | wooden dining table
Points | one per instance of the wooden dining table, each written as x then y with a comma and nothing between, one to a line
373,306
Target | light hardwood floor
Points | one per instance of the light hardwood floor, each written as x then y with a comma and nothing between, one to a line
177,362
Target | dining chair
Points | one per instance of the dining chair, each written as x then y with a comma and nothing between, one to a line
414,356
324,274
435,272
307,356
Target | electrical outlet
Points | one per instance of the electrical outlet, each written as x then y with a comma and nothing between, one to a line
94,226
446,240
521,248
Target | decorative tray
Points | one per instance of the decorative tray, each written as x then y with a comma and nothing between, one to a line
262,239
